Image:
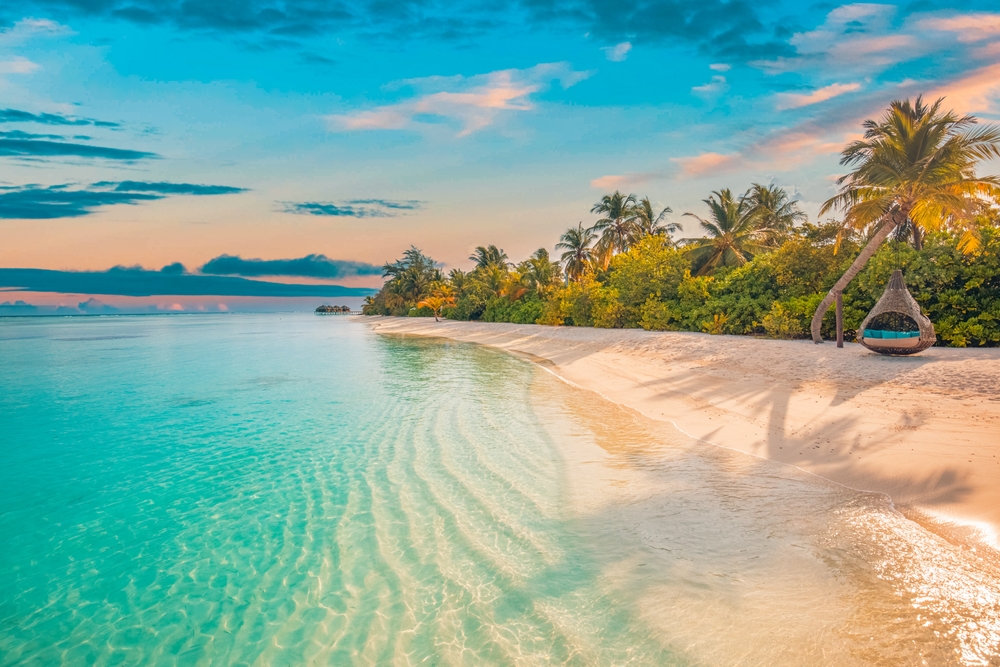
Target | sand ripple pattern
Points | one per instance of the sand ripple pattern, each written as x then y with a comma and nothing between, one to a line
244,491
292,490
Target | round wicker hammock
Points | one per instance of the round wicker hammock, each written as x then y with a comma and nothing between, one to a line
896,303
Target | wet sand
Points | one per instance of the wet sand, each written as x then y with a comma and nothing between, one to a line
924,429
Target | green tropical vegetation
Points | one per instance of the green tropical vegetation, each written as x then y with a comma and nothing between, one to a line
757,266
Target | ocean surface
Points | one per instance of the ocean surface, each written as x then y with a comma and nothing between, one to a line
289,490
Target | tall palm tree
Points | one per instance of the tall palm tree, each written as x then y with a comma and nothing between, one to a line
774,207
916,167
576,244
734,233
617,228
653,224
539,272
488,256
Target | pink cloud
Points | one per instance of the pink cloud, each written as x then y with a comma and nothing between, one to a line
705,163
977,91
382,119
474,102
614,182
972,27
797,100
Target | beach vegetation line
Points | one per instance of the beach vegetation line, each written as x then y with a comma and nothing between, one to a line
757,266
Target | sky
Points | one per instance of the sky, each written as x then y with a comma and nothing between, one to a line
308,142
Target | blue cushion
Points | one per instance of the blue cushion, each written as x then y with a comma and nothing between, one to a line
890,334
872,333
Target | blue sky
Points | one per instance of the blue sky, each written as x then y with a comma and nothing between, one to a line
158,131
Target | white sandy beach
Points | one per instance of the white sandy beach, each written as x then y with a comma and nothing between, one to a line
924,429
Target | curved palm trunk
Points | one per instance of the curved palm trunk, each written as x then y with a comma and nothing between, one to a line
856,266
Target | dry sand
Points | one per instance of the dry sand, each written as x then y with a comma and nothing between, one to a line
924,429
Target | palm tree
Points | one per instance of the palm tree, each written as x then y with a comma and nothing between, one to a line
734,233
539,272
915,167
576,242
488,256
442,294
652,224
410,276
618,229
774,208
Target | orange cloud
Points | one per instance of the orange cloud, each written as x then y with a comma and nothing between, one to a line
972,27
797,100
705,163
617,181
976,92
477,103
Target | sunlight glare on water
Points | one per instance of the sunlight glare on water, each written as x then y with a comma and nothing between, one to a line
289,490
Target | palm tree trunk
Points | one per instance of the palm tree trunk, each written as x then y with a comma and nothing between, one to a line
856,266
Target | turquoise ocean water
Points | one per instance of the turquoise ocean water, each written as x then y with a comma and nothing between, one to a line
297,490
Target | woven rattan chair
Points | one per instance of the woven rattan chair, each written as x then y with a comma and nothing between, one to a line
896,299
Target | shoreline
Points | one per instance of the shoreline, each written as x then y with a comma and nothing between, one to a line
924,430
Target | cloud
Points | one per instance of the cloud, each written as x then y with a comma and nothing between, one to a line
310,266
31,27
18,134
45,203
857,37
968,27
797,100
618,52
17,66
719,67
35,202
736,29
136,281
473,103
705,163
717,86
38,148
93,306
616,181
355,208
170,188
19,116
977,91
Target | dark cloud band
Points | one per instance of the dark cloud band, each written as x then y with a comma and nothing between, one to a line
354,208
34,202
19,116
39,148
170,188
310,266
725,28
126,281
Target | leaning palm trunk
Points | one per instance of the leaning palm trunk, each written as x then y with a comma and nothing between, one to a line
858,264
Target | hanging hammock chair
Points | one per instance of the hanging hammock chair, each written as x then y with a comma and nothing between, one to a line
895,325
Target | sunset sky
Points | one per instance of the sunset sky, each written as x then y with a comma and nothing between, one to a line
149,132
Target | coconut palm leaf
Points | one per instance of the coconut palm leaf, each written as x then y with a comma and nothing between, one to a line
734,233
654,224
617,228
576,243
487,256
915,168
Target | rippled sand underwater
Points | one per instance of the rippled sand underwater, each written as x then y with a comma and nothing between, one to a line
296,490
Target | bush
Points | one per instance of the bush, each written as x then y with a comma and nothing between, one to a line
781,322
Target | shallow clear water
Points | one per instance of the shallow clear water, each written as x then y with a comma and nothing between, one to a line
291,490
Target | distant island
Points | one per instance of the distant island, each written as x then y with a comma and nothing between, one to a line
324,309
